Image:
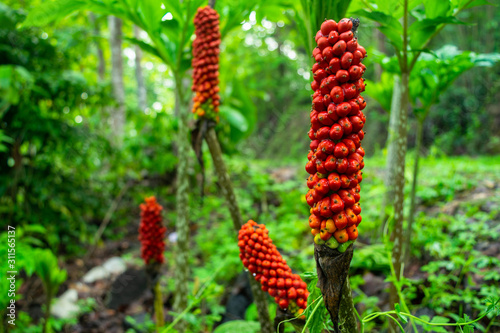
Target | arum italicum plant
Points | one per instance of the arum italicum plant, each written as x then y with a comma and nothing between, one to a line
151,235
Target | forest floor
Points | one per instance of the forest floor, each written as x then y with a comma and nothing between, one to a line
454,266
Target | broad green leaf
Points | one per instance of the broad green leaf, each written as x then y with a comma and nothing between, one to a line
51,11
144,46
435,8
240,326
389,26
381,91
421,31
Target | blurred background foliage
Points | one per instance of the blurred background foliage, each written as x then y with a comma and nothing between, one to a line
60,171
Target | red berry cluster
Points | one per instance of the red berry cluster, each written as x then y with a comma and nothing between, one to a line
151,232
337,120
260,256
206,63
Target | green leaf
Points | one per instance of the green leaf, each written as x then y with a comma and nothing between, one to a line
439,320
389,26
381,90
404,319
52,11
240,326
144,46
435,8
421,31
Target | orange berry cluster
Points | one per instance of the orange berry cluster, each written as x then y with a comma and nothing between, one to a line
152,232
337,120
260,256
206,63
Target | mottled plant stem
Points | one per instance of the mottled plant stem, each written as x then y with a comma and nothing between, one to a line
391,160
182,202
413,204
158,306
228,192
333,281
397,235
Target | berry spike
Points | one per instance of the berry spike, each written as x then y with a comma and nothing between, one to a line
337,120
261,257
205,63
152,232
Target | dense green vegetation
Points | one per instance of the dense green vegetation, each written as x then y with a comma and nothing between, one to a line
67,174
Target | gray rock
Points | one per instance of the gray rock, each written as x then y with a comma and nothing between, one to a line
95,274
115,265
65,306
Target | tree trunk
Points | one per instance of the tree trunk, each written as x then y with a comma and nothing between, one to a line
392,145
227,190
182,202
141,88
118,116
101,67
411,216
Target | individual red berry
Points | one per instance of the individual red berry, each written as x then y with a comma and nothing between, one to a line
327,53
342,165
343,109
319,75
340,150
357,56
346,61
314,221
323,133
311,167
342,76
357,123
344,25
346,125
314,145
362,49
330,163
314,85
337,94
333,37
334,65
349,90
355,73
324,119
346,36
322,43
336,132
352,232
352,45
328,26
322,186
334,182
340,220
337,205
341,236
347,198
339,47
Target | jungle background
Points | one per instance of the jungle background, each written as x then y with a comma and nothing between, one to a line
88,131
